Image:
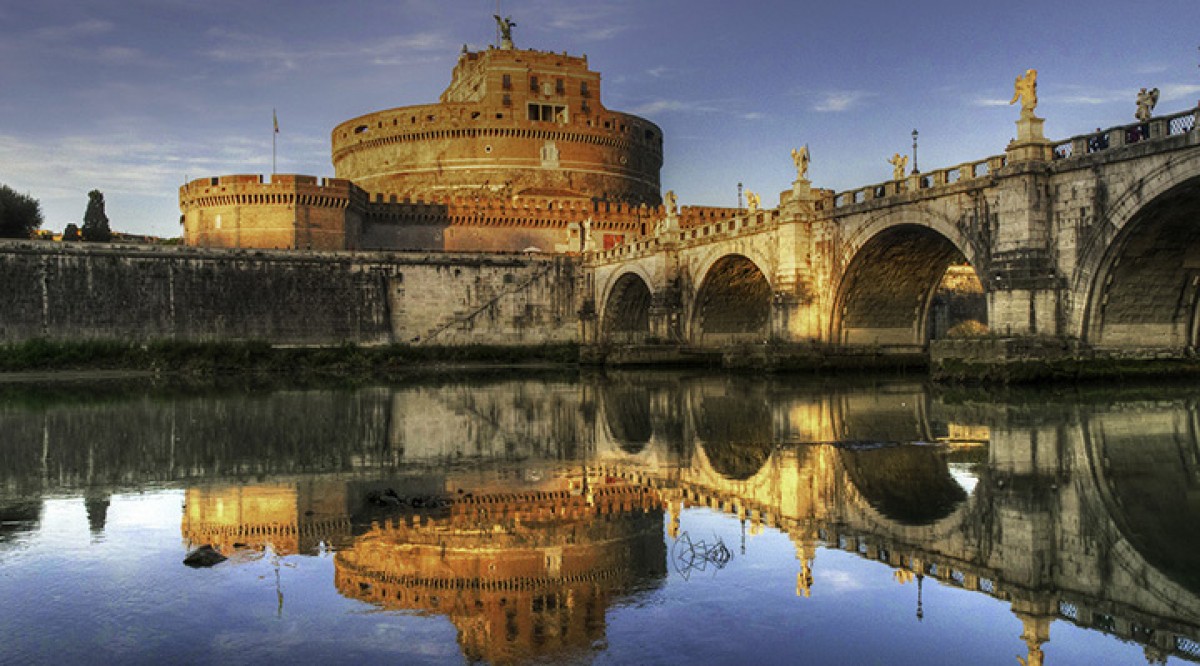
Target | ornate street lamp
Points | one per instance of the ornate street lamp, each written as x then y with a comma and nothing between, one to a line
915,169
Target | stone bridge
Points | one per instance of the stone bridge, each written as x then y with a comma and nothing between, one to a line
1093,240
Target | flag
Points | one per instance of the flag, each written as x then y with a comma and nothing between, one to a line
275,118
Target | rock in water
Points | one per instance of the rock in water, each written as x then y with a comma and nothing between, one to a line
204,556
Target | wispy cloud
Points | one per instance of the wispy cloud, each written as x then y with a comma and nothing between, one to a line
839,101
989,101
241,47
74,30
662,106
130,164
119,54
658,106
599,22
1177,91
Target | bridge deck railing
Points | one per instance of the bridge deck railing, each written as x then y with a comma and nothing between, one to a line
921,181
748,221
1077,146
1174,124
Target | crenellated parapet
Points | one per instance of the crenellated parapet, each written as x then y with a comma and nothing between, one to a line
285,211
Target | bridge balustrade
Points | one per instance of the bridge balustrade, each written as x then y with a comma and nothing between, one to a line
1174,124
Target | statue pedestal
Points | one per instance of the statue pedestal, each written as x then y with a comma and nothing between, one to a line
801,199
1031,144
667,229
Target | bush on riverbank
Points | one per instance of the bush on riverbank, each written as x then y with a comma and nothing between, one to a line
257,356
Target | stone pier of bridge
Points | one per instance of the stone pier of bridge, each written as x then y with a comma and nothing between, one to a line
1090,243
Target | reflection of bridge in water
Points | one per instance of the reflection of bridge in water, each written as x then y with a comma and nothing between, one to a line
1081,519
1069,512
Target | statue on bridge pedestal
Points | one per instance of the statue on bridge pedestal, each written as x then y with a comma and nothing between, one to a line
800,157
752,201
589,242
898,162
670,221
1025,89
1146,101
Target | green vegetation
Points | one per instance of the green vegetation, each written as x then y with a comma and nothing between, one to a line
20,214
95,221
225,358
1064,370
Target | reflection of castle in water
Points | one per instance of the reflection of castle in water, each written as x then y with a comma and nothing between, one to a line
1068,512
520,573
520,568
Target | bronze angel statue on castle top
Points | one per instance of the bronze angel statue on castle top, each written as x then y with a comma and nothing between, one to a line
506,25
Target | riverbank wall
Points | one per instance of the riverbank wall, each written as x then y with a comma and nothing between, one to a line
88,291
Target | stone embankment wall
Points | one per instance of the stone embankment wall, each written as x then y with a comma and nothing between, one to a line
89,291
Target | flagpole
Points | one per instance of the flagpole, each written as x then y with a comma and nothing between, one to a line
274,134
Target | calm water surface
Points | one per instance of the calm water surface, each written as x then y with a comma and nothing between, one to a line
628,518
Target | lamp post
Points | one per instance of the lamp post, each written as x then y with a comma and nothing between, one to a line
739,196
915,169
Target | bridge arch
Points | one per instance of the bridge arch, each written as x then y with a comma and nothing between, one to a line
1147,504
732,302
625,313
1140,273
893,267
627,416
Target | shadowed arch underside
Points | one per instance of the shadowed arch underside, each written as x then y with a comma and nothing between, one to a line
737,434
886,293
627,313
1147,290
627,412
1150,475
909,484
734,302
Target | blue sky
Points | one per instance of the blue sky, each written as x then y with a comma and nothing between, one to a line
132,96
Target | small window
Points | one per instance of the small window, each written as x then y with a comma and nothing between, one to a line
533,84
507,101
583,90
361,128
507,82
559,87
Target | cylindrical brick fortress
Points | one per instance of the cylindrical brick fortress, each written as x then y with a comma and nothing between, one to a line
512,122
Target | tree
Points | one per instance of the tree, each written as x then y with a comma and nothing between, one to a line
20,214
71,233
95,222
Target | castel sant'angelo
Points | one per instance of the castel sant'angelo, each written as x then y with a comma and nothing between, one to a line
519,154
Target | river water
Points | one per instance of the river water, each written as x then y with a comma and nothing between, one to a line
686,518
